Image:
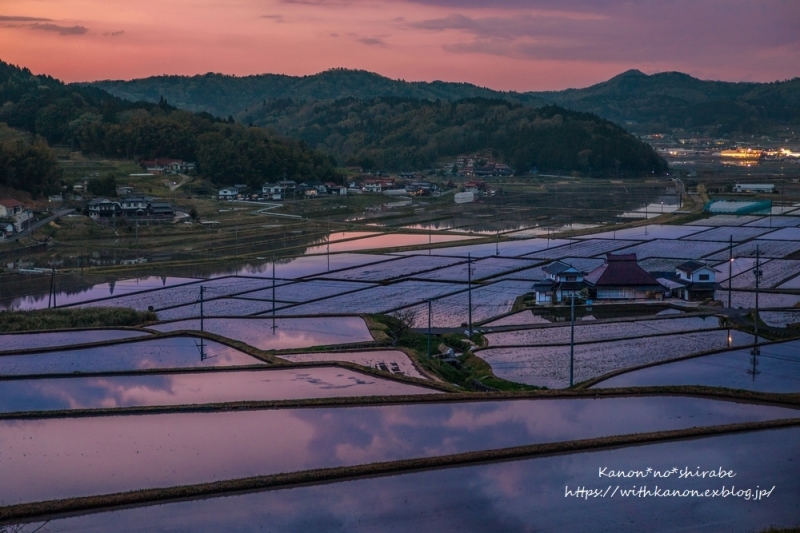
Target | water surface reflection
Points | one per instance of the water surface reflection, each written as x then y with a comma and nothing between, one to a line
518,496
176,352
58,458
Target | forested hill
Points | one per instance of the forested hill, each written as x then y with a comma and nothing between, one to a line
223,95
399,134
655,103
94,121
675,100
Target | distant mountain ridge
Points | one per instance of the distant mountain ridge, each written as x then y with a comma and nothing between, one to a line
224,95
633,99
677,100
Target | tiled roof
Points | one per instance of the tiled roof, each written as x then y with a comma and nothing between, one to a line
619,271
692,266
556,267
10,202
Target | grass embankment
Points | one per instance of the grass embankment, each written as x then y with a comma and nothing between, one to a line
94,317
467,371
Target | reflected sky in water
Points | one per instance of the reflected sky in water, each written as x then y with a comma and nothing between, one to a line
101,290
196,388
288,333
392,240
23,341
58,458
519,496
778,370
177,352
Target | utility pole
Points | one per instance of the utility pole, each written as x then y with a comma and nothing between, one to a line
756,351
572,340
469,290
202,325
273,295
52,284
758,276
497,246
329,245
730,269
237,239
429,328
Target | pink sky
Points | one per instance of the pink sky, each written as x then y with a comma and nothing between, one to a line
511,45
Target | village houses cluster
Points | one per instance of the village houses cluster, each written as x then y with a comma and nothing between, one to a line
621,277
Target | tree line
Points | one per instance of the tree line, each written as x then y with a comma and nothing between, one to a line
398,133
91,120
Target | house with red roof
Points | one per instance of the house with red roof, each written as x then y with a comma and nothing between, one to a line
621,278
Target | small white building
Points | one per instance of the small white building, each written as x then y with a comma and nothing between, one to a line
228,193
272,191
754,187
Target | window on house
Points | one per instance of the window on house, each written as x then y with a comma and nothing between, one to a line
704,277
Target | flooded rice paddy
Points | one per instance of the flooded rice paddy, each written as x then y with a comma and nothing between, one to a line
523,495
777,369
282,333
392,361
597,332
59,458
549,366
104,392
316,300
27,341
175,352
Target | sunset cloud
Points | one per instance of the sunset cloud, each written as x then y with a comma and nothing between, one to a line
6,18
372,41
61,30
503,44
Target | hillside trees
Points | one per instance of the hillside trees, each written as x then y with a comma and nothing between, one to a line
29,166
396,134
89,119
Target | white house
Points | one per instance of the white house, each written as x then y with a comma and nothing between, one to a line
228,193
272,191
6,230
698,281
134,206
102,208
10,208
562,281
